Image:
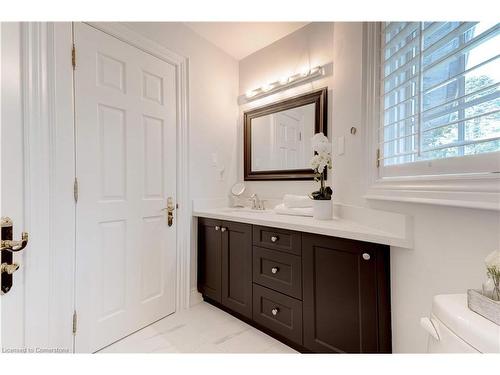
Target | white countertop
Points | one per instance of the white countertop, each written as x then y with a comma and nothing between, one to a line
341,227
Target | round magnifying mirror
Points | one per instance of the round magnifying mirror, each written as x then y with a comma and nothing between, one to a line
238,189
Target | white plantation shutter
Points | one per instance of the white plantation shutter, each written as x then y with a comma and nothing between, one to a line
440,91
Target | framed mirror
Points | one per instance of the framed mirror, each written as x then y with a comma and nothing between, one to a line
277,137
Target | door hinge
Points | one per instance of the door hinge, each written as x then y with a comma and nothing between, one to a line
74,322
378,158
75,190
73,57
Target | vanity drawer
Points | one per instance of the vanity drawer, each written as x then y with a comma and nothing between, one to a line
278,239
277,312
277,270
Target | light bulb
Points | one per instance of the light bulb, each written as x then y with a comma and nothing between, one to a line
314,70
294,77
304,72
284,80
250,93
266,87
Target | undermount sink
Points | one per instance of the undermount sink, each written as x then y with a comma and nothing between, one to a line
245,210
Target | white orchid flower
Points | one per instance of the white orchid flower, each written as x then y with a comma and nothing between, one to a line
493,260
320,144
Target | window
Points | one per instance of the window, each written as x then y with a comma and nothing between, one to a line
440,98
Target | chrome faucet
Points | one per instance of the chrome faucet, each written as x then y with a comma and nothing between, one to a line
257,204
254,199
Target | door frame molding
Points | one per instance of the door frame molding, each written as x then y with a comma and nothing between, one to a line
48,122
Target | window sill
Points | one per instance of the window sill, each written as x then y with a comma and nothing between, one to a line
480,191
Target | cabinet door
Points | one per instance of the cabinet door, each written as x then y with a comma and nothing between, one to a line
345,295
209,258
237,267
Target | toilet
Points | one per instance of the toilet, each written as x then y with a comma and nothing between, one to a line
454,328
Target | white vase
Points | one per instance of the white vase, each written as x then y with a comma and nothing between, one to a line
323,209
491,290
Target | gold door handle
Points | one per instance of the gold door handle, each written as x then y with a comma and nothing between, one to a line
9,268
14,246
7,265
170,211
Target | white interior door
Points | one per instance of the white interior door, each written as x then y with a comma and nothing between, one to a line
287,139
125,115
12,170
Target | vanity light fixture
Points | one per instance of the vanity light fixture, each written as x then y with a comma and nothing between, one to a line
284,82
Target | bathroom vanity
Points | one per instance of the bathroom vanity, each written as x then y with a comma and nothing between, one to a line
314,292
320,286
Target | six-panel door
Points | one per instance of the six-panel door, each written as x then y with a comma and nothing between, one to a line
345,296
125,122
237,267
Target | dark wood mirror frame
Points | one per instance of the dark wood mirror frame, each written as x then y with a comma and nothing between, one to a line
319,98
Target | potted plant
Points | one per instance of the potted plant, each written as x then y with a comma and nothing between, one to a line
322,206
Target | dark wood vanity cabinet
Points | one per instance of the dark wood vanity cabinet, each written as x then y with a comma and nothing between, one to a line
210,258
225,264
237,267
345,295
316,293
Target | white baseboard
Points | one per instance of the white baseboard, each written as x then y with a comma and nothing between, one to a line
195,297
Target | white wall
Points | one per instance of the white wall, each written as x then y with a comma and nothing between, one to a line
213,110
450,243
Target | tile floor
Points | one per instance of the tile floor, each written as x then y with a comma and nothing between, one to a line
201,329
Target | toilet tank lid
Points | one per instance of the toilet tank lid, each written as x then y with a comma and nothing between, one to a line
477,331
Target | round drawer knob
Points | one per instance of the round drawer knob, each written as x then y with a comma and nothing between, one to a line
217,227
223,229
275,311
274,239
366,256
275,269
